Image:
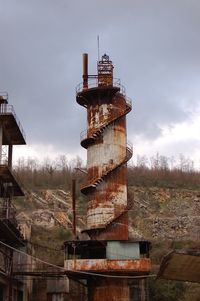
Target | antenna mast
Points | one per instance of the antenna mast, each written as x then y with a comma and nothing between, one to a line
98,46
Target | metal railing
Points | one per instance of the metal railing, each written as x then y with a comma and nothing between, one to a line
122,160
129,150
4,95
9,109
129,145
3,156
8,213
93,83
129,102
35,268
84,135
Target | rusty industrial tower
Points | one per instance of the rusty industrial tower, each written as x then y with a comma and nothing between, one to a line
109,261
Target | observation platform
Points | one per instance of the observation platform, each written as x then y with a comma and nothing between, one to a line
85,96
140,266
108,257
13,133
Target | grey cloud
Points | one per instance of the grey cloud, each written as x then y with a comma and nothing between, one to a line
182,147
153,44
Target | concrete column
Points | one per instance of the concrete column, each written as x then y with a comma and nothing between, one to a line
108,289
1,142
10,149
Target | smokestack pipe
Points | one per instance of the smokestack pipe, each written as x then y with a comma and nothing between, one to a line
85,71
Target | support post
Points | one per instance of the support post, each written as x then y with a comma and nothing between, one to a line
10,149
143,289
10,275
1,142
5,107
74,208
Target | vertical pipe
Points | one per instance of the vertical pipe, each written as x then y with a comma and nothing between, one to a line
4,107
10,275
10,148
74,208
98,46
142,290
85,71
1,142
10,215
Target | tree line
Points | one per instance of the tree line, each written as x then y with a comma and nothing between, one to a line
157,170
164,171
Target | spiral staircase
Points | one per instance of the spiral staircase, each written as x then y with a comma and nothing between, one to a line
88,139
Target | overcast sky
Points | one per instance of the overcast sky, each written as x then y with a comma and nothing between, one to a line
155,48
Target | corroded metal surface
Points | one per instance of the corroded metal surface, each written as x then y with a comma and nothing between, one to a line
107,213
109,290
107,155
13,132
138,266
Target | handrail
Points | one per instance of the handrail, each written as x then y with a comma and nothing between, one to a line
9,109
129,153
83,134
3,157
8,212
4,94
129,101
129,145
93,83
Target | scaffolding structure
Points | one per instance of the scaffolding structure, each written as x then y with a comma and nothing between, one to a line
11,133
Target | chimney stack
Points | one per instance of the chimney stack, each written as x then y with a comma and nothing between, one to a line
85,71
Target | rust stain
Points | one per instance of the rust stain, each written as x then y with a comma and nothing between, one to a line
109,289
141,265
106,161
106,189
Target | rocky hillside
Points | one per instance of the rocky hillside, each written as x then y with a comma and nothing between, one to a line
165,213
172,214
48,209
168,217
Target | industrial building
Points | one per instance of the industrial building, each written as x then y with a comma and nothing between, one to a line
110,265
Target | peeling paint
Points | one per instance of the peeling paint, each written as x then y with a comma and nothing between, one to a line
106,188
105,157
140,266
